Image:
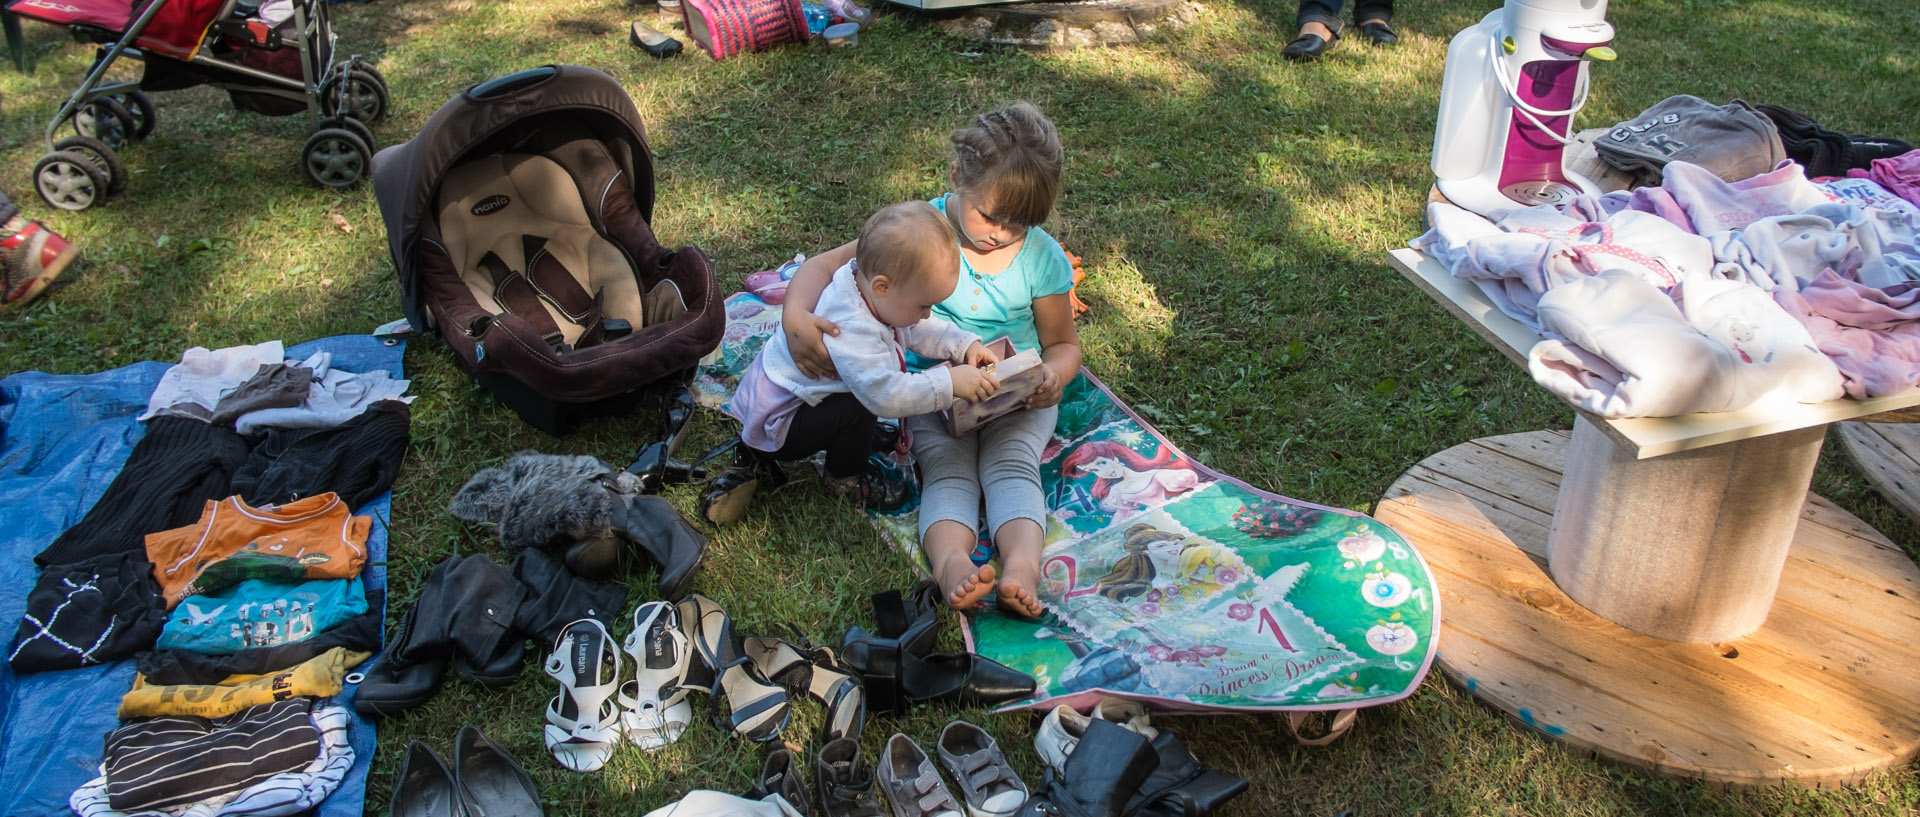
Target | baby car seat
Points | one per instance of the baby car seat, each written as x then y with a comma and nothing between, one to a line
518,220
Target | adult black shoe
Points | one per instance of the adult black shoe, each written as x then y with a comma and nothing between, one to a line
425,786
491,783
726,497
1307,47
649,39
898,667
393,683
665,536
1379,33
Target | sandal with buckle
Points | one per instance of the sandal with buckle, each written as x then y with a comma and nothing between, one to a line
758,708
583,721
813,670
654,707
987,782
913,785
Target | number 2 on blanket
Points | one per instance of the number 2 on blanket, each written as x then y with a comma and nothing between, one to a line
1072,576
1267,623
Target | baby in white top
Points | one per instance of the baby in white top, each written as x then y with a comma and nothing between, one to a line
907,261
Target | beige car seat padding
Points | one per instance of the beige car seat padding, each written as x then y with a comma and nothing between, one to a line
541,199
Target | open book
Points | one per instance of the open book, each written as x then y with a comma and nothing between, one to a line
1019,374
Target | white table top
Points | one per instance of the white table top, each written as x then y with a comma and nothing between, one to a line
1648,436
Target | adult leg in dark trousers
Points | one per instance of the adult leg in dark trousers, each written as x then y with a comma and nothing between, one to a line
1320,25
840,426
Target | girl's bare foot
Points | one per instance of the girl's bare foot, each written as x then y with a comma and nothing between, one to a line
964,584
1016,590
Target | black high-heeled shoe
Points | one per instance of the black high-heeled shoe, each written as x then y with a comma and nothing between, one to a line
899,668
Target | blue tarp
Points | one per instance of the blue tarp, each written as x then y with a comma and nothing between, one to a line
63,438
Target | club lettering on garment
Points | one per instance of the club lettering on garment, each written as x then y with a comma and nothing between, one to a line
1625,132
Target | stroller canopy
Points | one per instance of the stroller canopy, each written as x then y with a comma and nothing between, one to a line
527,111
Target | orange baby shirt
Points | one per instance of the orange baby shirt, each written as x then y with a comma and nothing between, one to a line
318,533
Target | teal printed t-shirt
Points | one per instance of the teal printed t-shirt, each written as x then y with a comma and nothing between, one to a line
996,306
256,613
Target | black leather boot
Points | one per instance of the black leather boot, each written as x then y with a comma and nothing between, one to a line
1106,768
674,545
394,683
1180,786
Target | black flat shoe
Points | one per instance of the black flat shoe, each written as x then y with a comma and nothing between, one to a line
649,39
425,786
491,783
1307,47
1380,34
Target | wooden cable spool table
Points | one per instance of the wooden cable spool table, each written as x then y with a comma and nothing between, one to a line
1666,592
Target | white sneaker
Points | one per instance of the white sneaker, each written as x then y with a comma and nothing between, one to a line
1060,731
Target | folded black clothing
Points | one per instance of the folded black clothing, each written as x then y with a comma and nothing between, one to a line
176,761
358,459
1824,151
175,667
173,472
556,597
92,612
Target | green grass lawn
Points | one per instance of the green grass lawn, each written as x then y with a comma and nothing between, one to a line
1233,210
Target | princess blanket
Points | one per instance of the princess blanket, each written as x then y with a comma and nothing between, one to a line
1166,580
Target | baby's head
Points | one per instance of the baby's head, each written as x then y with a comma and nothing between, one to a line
908,259
1006,169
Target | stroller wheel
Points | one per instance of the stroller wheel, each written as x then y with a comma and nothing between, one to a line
358,127
144,117
357,93
101,156
68,180
335,157
107,120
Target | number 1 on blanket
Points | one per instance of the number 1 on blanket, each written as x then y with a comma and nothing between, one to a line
1267,623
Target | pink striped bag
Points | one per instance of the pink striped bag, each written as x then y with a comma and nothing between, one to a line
728,27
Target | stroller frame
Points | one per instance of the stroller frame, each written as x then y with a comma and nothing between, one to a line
325,88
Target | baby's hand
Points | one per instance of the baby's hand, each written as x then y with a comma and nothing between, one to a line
973,385
978,355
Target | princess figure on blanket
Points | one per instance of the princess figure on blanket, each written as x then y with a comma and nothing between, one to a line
1124,480
1166,566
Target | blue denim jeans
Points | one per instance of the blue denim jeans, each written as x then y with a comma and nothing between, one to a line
1327,12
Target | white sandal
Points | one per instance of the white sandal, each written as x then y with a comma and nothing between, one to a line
654,710
583,722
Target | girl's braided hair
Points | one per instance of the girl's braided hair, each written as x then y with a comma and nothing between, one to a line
1010,159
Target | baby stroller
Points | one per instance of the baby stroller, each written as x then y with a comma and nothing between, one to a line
519,220
274,58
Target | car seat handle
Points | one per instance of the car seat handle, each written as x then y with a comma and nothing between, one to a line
501,86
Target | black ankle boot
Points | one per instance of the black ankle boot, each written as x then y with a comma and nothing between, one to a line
844,781
1106,768
1180,786
664,535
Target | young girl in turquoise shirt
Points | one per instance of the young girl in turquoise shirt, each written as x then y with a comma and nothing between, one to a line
1014,283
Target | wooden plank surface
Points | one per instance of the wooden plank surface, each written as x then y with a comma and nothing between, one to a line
1823,694
1889,453
1647,436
